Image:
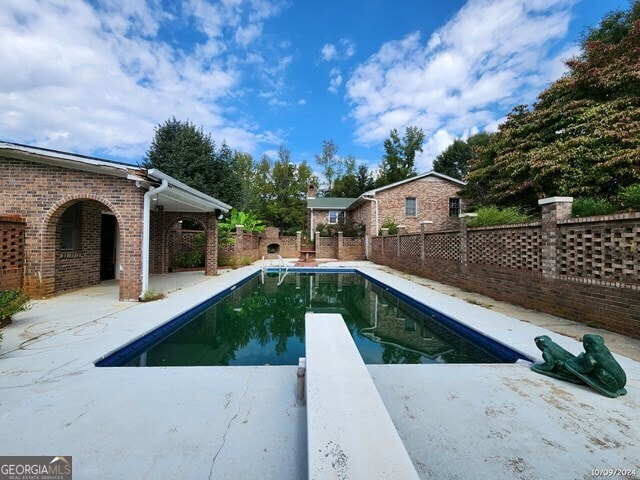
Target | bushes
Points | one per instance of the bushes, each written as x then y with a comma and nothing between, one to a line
630,197
189,260
12,302
588,207
491,215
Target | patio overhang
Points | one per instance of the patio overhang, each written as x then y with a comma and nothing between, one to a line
178,197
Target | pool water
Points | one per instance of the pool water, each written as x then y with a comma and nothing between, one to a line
262,323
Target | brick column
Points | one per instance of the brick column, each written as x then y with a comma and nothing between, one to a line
238,248
317,243
423,230
553,209
340,245
385,232
299,240
464,238
211,252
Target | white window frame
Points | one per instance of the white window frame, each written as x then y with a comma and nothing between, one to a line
339,214
458,207
415,207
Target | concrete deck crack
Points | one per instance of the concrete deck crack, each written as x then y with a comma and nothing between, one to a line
224,436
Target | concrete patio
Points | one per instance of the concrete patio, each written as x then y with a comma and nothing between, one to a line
456,421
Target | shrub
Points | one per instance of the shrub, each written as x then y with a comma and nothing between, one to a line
391,225
245,261
588,207
491,215
189,260
630,197
12,302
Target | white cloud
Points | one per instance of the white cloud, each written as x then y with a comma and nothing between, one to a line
343,51
335,80
98,78
491,56
302,101
328,52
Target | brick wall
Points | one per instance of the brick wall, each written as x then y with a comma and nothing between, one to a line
41,193
432,196
587,269
11,251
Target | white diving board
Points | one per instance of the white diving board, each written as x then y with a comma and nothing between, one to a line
350,434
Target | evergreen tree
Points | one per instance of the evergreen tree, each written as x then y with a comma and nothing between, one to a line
183,151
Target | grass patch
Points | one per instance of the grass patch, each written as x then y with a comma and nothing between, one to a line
151,295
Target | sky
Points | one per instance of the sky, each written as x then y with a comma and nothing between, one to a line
96,77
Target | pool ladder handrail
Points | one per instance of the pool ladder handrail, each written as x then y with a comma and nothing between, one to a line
281,264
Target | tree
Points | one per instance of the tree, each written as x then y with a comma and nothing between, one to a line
582,136
283,187
183,151
398,161
245,169
330,162
455,159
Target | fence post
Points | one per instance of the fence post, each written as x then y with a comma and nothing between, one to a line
211,255
317,243
384,232
553,209
464,238
299,240
239,246
401,231
340,240
423,231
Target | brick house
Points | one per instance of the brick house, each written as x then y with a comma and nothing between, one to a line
430,196
88,219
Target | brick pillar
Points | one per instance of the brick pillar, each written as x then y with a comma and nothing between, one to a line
553,209
238,248
299,240
211,248
401,231
317,242
464,238
423,230
340,239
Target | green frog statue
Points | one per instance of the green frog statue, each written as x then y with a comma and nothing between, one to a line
555,357
595,366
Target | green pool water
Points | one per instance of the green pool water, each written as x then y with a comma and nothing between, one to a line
262,323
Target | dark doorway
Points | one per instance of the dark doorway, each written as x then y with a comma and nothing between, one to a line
108,247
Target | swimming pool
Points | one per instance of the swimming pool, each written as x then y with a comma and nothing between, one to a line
260,321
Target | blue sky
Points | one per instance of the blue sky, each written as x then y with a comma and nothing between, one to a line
95,77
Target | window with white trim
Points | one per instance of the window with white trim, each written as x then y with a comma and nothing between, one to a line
411,207
336,216
454,207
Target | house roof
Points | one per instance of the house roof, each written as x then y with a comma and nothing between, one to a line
178,197
329,203
411,179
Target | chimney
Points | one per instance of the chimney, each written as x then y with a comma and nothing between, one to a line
311,193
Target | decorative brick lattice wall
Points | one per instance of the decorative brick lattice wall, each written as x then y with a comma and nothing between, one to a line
445,245
606,249
12,252
583,269
410,245
511,247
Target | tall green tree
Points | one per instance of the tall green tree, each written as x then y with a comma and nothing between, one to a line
185,152
398,161
330,163
455,159
582,136
283,189
246,170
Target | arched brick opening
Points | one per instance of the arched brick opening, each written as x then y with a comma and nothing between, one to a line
162,224
179,242
75,236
